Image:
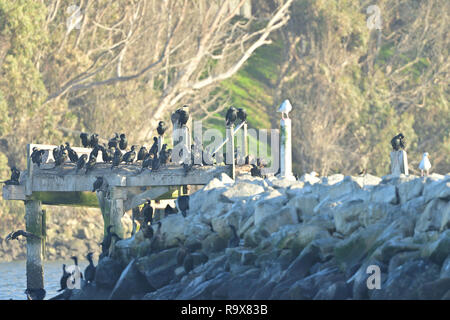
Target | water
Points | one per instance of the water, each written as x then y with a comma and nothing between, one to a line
13,280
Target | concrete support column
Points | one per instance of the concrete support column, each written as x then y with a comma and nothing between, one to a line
35,257
399,162
117,213
286,141
230,148
160,143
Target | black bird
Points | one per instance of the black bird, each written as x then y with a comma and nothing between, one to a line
147,213
231,116
142,153
130,155
187,168
91,164
175,118
147,162
97,184
242,115
16,234
94,152
64,278
183,204
106,243
61,157
113,142
234,240
161,128
184,116
148,231
123,143
55,153
89,272
94,140
35,294
154,147
73,156
398,142
117,159
36,156
81,162
165,155
256,172
85,140
107,154
15,175
156,164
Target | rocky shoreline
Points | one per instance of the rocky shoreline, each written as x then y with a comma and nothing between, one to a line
308,239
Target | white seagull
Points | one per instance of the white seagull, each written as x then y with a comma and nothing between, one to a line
425,164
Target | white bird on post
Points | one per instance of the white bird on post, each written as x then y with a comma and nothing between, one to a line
425,164
286,141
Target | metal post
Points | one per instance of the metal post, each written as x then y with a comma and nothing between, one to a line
35,268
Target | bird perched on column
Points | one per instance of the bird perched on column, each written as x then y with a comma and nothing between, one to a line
91,164
114,141
182,203
123,143
89,272
73,156
85,139
15,175
107,154
242,115
161,128
94,140
165,155
154,147
231,116
117,159
81,162
142,154
97,184
130,155
36,156
180,117
425,164
398,142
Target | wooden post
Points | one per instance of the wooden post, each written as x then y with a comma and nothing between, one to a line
230,148
399,162
35,268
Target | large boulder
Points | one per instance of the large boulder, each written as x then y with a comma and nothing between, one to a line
404,282
384,193
445,270
242,190
345,187
107,273
346,216
158,268
435,217
305,204
410,190
173,227
273,221
438,250
437,190
130,283
126,250
297,237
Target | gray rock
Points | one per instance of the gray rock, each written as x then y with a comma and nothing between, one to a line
274,220
242,190
107,273
437,190
439,250
131,282
384,194
435,217
410,190
346,216
445,270
158,268
305,204
434,290
335,291
214,243
403,282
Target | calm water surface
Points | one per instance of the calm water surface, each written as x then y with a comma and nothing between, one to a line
13,280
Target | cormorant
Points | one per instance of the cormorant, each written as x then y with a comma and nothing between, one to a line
64,277
181,117
154,147
94,152
91,164
175,117
36,156
161,128
165,155
107,154
16,234
94,140
81,162
147,213
156,164
73,156
242,115
15,175
55,153
113,142
130,155
85,140
231,116
117,159
61,157
187,168
157,239
106,243
398,142
142,153
183,204
97,184
234,240
89,272
147,162
123,143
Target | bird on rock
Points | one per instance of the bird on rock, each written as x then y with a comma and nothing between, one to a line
425,164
